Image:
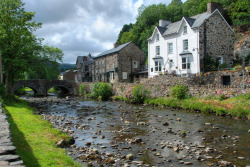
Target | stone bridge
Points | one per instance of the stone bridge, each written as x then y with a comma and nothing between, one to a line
41,87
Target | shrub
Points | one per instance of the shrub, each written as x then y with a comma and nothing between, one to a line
220,96
101,90
83,89
139,94
179,92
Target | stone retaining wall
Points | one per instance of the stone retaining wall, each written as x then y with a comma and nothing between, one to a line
230,83
8,156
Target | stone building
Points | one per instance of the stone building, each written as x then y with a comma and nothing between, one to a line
182,47
83,71
69,75
119,64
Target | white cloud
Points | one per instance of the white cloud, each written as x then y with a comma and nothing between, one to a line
80,27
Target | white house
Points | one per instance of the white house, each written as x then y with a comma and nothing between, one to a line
180,47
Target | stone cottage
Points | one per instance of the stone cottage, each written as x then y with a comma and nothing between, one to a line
181,47
83,71
119,64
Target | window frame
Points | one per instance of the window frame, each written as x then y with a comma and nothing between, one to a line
124,75
158,66
185,44
187,64
171,63
185,30
157,37
170,52
135,64
157,50
220,60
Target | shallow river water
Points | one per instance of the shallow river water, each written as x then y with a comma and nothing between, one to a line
135,135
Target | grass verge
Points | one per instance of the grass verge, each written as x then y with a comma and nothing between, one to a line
36,138
236,107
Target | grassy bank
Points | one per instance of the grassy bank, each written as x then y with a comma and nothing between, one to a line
36,138
236,107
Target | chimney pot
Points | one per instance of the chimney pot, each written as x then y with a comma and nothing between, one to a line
164,23
212,6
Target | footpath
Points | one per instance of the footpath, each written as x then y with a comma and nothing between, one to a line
8,156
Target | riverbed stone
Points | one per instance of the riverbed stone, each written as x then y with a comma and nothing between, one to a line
9,157
130,156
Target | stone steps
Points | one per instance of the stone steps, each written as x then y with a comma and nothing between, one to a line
8,156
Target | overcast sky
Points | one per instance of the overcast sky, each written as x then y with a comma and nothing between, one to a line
79,27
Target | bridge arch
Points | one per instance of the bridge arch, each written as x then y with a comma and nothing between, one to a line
41,87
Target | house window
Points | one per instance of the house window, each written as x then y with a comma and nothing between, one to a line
157,37
157,50
171,63
170,48
152,69
113,65
124,75
102,61
112,76
157,65
185,30
220,59
134,64
185,63
185,44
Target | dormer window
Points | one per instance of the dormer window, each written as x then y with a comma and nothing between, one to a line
157,37
185,30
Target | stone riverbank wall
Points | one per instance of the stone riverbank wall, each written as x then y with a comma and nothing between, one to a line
228,82
8,156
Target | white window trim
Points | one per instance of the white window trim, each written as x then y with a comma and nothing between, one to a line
186,63
172,48
185,27
185,48
157,50
157,37
220,58
135,64
124,75
158,66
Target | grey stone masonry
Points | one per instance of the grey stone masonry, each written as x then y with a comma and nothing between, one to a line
8,156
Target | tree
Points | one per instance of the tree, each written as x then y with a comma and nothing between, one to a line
240,12
46,64
125,28
17,41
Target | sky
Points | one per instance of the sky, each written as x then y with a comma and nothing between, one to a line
80,27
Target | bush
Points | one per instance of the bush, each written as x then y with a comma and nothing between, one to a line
83,89
179,92
220,96
139,94
101,90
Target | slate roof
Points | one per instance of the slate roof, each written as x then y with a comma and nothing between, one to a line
114,50
194,22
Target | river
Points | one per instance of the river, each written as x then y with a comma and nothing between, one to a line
136,135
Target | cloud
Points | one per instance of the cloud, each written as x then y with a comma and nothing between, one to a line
79,27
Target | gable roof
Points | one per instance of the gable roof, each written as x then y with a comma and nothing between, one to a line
194,22
114,50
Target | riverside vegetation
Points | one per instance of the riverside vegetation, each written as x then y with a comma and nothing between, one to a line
35,138
180,98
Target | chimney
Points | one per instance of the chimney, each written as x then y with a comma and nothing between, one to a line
116,45
89,55
164,23
212,6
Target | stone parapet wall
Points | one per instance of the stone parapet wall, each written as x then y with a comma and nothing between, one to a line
211,84
8,156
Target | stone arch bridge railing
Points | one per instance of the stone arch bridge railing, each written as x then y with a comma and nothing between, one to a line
41,87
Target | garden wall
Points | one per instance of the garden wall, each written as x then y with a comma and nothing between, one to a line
230,83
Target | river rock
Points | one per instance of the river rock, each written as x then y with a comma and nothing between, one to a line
165,123
208,124
87,143
188,163
178,119
225,163
130,157
176,149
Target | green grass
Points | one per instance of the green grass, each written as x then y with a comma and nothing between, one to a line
52,90
236,107
35,138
